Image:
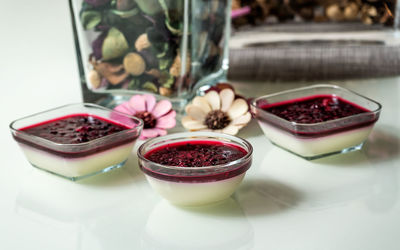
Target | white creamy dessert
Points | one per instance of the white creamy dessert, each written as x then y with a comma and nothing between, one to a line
78,166
194,194
316,146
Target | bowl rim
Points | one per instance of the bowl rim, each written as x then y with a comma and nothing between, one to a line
40,141
199,135
253,105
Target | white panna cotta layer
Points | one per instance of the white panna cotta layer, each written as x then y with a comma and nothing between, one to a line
311,147
79,166
195,193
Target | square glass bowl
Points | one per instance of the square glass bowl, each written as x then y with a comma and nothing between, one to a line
200,184
312,140
92,139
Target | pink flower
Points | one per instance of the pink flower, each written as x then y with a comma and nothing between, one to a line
157,117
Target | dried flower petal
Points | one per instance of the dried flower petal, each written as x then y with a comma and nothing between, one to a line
227,96
162,108
201,102
150,102
244,119
238,108
213,99
195,112
114,45
230,130
90,19
167,121
191,124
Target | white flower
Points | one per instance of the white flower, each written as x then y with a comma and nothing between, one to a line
217,112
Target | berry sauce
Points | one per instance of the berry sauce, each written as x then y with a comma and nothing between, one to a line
196,154
74,129
314,109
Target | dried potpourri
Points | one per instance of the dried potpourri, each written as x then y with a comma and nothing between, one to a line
138,44
366,11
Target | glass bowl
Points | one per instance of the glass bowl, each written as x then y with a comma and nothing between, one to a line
72,155
182,185
312,140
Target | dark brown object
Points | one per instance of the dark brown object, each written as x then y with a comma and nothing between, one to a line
217,119
366,11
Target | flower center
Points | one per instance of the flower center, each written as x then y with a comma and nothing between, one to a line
217,119
148,119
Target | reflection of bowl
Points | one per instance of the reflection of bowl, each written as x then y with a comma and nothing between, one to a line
76,140
94,213
45,197
218,226
195,185
319,184
316,121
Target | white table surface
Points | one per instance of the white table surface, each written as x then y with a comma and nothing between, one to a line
341,202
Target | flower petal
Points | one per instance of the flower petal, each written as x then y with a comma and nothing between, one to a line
125,108
201,102
227,97
148,133
195,112
242,120
123,120
213,99
231,130
161,131
238,108
161,108
138,103
150,102
167,121
191,124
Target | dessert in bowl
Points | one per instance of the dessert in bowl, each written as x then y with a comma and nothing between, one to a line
195,168
316,121
76,140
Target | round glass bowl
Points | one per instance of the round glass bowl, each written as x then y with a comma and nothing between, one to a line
198,185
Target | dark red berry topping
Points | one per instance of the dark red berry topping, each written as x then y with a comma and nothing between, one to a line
314,109
74,129
195,154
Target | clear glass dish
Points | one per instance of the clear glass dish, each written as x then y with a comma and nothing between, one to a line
195,185
315,140
76,160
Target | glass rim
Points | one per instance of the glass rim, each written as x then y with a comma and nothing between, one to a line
253,105
199,134
41,140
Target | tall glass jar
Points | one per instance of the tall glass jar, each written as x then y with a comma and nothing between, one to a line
169,48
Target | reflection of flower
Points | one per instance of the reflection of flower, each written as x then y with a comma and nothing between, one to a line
157,117
218,112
